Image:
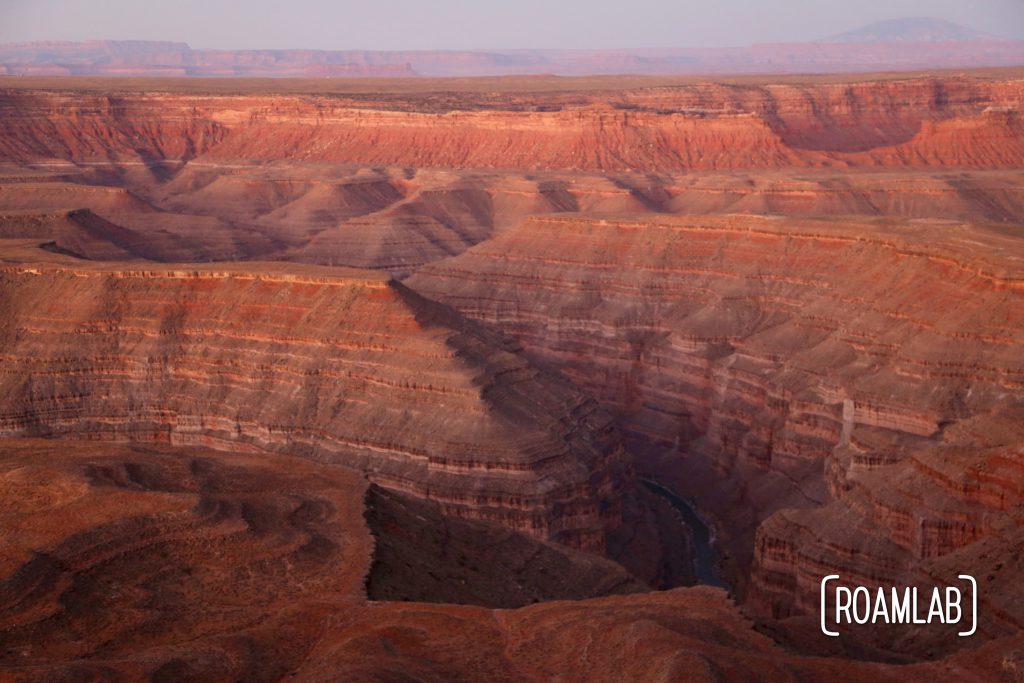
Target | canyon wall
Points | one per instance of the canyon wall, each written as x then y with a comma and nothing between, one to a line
423,555
969,122
907,517
395,179
338,366
762,364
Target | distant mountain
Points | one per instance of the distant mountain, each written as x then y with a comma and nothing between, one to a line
162,58
912,30
903,44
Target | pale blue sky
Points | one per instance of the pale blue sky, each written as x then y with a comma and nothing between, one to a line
479,24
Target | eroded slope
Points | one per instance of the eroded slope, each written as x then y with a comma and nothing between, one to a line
175,557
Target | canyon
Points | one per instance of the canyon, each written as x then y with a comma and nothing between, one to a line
166,563
453,337
290,362
724,341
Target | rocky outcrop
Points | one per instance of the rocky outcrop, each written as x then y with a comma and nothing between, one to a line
102,128
110,552
338,366
907,517
994,137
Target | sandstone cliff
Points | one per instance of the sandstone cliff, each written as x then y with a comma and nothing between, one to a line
698,126
768,364
343,367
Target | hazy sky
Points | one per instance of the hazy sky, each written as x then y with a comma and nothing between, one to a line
475,24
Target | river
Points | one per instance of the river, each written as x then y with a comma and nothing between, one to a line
705,555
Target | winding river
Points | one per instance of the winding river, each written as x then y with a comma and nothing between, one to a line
705,555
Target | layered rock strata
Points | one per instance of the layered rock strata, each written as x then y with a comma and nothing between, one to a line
339,366
907,517
972,122
764,364
398,219
393,175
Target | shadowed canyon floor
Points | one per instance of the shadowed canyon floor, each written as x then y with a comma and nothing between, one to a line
274,358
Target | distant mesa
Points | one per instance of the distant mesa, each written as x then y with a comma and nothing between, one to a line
893,45
170,59
912,30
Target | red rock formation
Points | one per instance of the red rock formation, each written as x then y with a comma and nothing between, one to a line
421,555
706,126
985,196
110,552
171,564
236,174
740,353
339,366
398,220
913,517
993,138
839,395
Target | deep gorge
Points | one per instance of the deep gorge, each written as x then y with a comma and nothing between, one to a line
537,327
